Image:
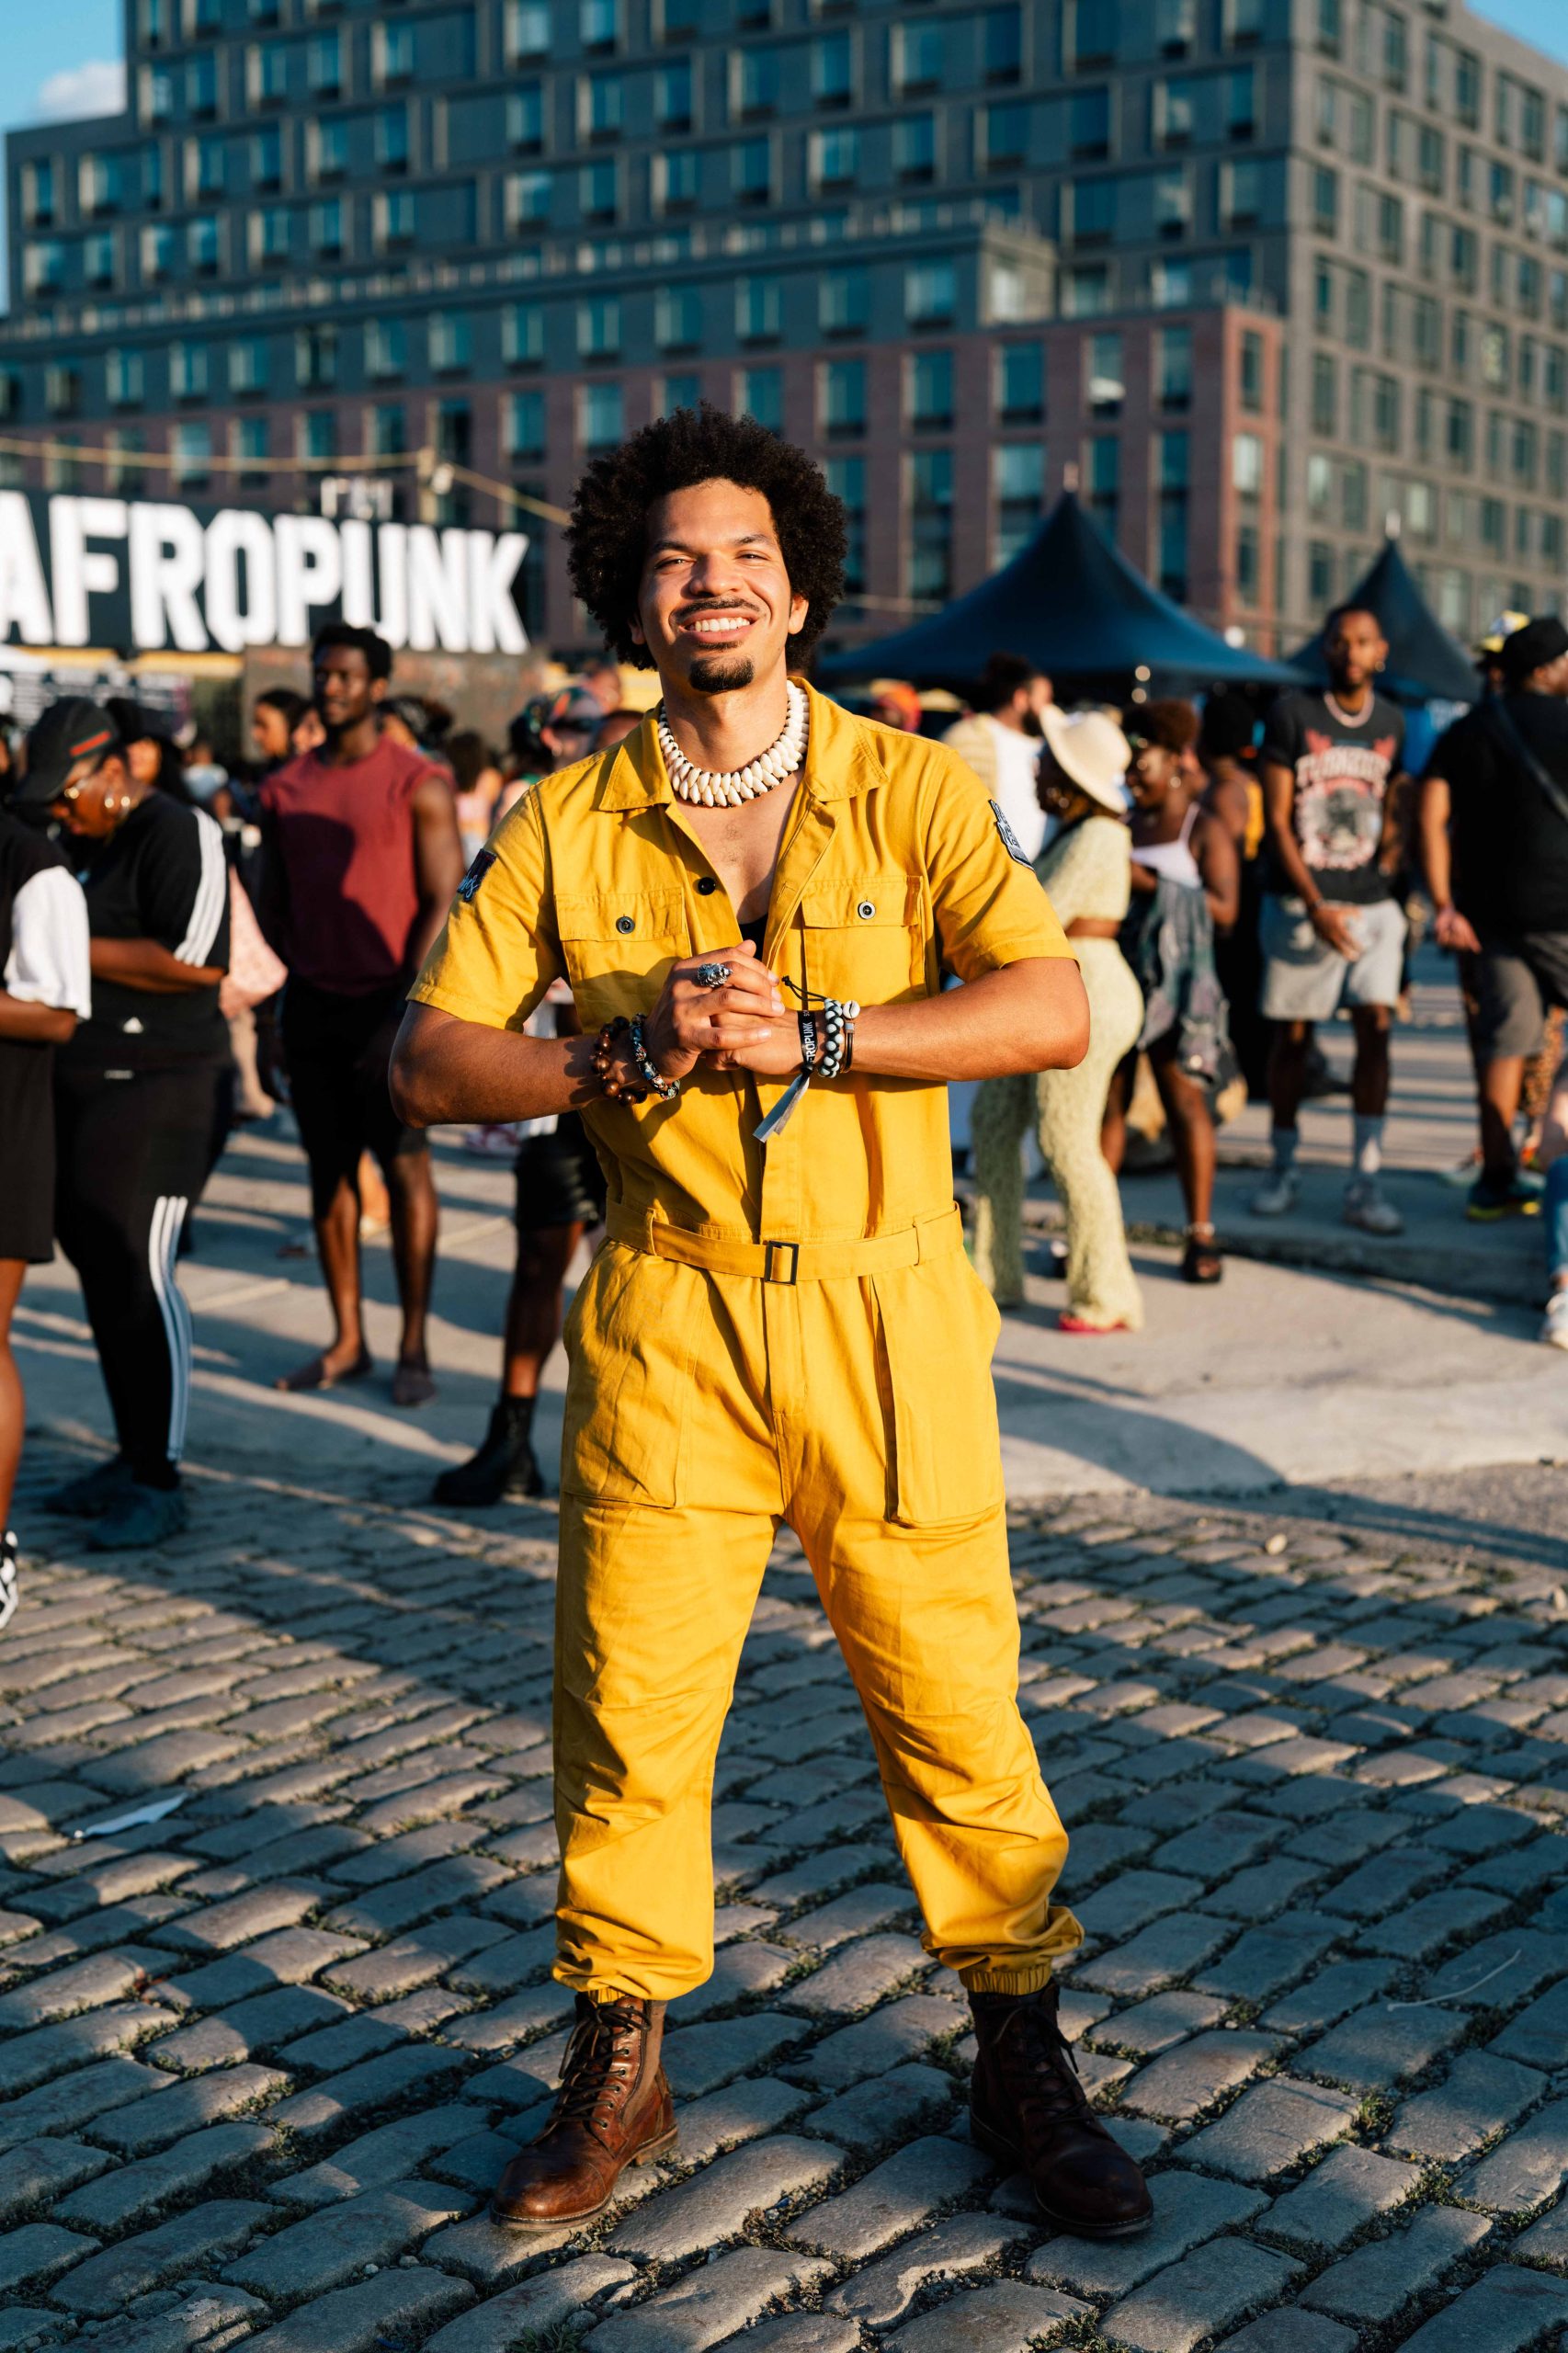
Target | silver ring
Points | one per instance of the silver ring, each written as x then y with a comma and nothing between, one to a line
712,976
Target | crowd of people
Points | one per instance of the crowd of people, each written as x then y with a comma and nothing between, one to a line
183,945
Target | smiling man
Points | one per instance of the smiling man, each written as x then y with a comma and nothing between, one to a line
782,1325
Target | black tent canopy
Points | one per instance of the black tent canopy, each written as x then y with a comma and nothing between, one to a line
1071,602
1425,665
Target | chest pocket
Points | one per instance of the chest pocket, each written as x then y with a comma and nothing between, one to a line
618,948
865,939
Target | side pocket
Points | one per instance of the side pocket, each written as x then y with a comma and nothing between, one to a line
630,1338
940,1325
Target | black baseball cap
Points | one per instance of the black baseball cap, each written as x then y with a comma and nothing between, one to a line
69,731
1531,648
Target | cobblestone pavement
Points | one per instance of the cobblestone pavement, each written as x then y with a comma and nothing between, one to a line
264,2056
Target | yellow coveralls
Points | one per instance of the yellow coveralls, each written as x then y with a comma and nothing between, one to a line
783,1333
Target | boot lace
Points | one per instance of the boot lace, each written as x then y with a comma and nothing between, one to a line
598,2067
1045,2083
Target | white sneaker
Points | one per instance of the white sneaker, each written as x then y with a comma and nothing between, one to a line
1370,1210
1554,1322
1279,1197
10,1559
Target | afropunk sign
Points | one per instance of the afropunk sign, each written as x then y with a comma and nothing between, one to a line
146,576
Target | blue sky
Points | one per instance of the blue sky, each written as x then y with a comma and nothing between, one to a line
60,53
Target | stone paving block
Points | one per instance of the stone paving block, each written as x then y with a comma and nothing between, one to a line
739,1973
700,2058
1538,2036
359,2091
1529,2166
1149,2027
1135,1898
743,2111
105,2283
77,2100
409,1961
1257,1894
1390,1882
64,1992
707,2306
212,2317
1377,2281
25,2325
886,2108
715,2204
185,2106
1546,2241
803,2333
896,2197
1182,2083
534,2306
391,2152
1424,1930
1502,1972
37,2253
1004,2316
1272,2129
134,2192
261,2024
1331,1994
1291,2331
1350,2188
1377,2046
862,1973
217,1927
535,2011
1508,2311
39,2173
1189,2208
327,2248
902,2029
290,1958
501,1968
1479,2096
1172,1948
883,2291
404,1903
386,2309
1263,1961
1224,2280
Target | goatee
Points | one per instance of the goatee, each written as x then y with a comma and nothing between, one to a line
714,674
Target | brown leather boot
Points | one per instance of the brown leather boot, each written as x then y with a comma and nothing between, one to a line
614,2110
1026,2106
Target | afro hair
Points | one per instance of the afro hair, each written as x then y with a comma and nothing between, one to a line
608,533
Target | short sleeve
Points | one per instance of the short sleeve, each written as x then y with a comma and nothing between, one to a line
182,890
1454,755
1281,735
498,951
989,904
50,960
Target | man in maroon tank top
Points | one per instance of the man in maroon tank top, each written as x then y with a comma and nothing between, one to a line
363,855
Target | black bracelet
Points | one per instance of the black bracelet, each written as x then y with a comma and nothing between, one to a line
808,1028
666,1089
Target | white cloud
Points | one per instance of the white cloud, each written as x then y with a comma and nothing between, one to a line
96,87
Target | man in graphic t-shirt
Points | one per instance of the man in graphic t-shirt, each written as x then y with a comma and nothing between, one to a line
362,857
1331,929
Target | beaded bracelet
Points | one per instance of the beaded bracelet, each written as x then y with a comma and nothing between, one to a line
838,1023
615,1089
666,1089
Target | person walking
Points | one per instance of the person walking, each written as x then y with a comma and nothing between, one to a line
45,989
1554,1204
1086,871
136,1100
1332,931
363,857
1000,740
1186,887
1493,831
780,1325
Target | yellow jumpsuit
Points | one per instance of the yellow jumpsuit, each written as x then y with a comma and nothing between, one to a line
780,1333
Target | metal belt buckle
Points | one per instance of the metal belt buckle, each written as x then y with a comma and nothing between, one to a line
768,1273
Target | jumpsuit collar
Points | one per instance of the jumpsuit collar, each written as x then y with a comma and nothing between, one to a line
842,760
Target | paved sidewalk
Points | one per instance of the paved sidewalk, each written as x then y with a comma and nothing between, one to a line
264,2056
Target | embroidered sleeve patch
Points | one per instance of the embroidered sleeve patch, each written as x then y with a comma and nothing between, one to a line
468,888
1010,841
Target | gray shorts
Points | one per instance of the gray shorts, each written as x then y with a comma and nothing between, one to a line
1516,979
1306,980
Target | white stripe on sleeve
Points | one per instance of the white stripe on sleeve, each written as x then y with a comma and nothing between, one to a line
212,894
50,960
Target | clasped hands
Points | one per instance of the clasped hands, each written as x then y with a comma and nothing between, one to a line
744,1024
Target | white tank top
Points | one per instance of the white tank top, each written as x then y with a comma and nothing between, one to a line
1173,861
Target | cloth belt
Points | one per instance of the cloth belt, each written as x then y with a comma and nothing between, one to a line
791,1262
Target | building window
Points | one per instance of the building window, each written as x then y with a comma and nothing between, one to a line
598,328
124,379
1325,200
1102,475
598,190
680,391
677,318
751,171
601,105
387,432
523,424
1248,563
392,138
100,183
672,96
1174,112
1251,371
386,348
1241,193
759,395
1002,44
834,158
754,90
1093,206
1172,476
522,334
525,115
325,227
315,437
323,64
1106,375
847,480
930,481
1095,32
528,30
843,300
920,57
392,49
315,357
451,342
201,87
124,477
37,193
1246,465
1241,103
100,253
599,24
929,391
601,416
1242,21
1006,131
248,365
832,70
271,234
1325,395
190,449
157,255
1021,383
1017,480
757,310
930,293
841,396
326,140
392,214
1088,125
915,147
527,199
1173,200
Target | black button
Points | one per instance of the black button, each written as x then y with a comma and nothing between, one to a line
707,885
626,922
